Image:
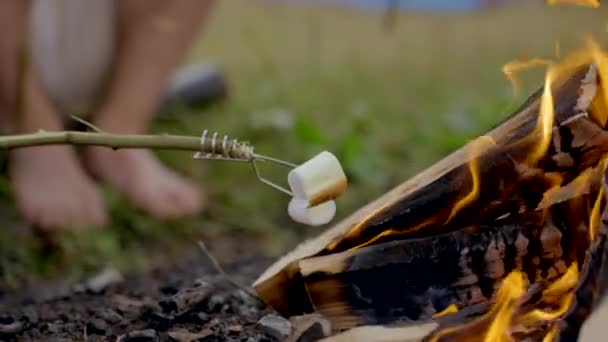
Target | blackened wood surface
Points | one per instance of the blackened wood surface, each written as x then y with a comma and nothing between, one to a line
413,279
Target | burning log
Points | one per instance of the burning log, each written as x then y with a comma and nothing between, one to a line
509,218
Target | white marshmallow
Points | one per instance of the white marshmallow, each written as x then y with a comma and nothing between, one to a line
318,180
318,215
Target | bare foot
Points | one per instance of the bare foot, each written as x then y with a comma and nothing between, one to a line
145,182
51,189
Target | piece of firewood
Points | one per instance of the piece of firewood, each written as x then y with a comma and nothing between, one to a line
473,321
420,207
380,333
416,278
407,332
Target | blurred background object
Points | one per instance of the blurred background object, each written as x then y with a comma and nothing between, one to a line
198,85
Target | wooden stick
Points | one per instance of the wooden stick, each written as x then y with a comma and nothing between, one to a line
116,141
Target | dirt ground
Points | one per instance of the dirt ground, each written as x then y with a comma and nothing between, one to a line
183,300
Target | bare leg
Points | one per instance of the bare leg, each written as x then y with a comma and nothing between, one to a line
155,34
51,189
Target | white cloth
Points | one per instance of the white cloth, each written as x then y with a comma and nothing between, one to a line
71,45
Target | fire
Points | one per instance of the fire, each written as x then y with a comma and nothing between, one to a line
507,315
552,334
513,311
390,232
594,220
540,136
542,132
599,103
512,68
452,308
477,145
588,3
560,293
507,298
579,186
494,324
544,125
519,307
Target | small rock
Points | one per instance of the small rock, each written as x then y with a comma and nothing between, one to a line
246,311
168,290
10,326
31,314
213,323
147,335
249,300
103,279
217,302
97,326
79,288
186,299
236,328
127,304
158,320
110,316
203,317
308,328
182,335
275,326
53,328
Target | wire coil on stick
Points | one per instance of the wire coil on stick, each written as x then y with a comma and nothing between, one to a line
225,149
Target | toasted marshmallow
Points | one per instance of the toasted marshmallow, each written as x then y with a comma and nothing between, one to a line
318,215
318,180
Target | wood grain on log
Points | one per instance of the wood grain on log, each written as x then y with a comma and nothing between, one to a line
416,278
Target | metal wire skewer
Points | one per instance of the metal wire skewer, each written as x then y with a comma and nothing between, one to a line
236,151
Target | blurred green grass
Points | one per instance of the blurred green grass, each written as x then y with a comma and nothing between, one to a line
388,102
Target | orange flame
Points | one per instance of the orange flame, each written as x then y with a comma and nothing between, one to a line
452,308
594,220
599,110
546,116
552,334
588,3
511,290
389,232
575,188
477,145
544,125
513,67
559,292
502,319
496,322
